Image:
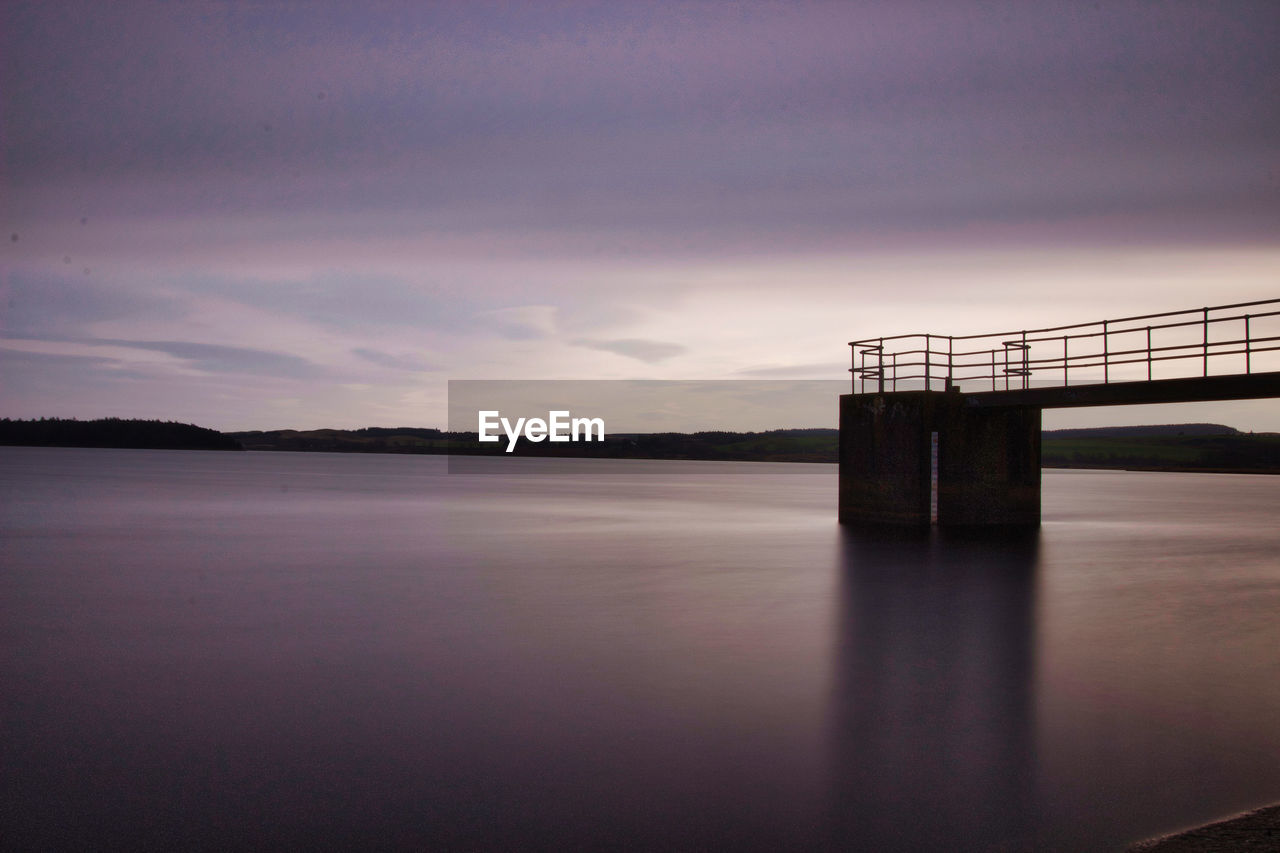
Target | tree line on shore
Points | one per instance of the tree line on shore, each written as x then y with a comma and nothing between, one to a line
113,432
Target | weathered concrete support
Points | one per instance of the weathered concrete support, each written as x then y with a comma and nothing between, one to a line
988,461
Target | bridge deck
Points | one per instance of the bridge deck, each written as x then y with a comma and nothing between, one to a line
1250,386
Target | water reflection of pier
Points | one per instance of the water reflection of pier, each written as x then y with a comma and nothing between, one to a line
933,716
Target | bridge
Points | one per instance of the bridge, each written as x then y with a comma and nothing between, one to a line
945,429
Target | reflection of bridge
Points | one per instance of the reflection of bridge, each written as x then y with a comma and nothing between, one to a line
946,429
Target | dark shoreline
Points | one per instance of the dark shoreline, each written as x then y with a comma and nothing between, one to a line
1258,829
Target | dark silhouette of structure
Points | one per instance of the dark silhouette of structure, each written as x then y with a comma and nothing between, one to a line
944,429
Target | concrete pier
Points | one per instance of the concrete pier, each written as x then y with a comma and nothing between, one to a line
913,458
969,455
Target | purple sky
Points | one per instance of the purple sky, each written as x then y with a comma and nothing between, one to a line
265,215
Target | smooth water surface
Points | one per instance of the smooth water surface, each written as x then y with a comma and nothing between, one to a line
210,650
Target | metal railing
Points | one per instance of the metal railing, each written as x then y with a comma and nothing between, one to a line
1197,342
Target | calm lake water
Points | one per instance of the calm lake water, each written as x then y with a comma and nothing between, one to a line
267,650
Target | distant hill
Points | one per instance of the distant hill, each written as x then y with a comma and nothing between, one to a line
790,445
113,432
1187,447
1163,430
367,440
779,445
1183,447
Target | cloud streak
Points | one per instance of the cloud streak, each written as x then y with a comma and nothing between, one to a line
216,358
393,361
650,352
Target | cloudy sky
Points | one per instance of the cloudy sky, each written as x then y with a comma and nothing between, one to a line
265,215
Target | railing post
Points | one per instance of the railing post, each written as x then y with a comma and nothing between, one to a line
1026,362
1066,364
894,385
927,344
1148,353
880,356
1205,325
993,369
950,350
1248,367
1106,356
